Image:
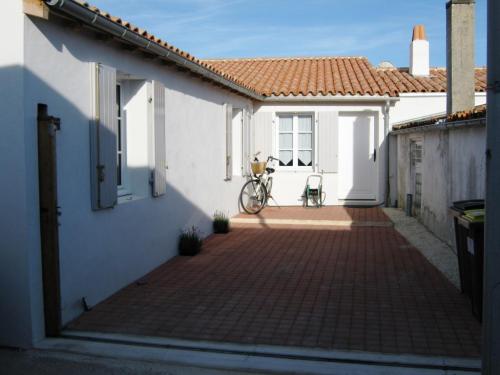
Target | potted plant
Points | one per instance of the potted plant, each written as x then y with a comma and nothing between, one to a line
220,223
190,242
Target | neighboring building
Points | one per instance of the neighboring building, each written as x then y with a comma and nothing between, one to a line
351,106
441,160
153,141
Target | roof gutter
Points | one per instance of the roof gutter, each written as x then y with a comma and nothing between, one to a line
476,122
330,98
97,21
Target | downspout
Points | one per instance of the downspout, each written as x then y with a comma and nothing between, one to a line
385,110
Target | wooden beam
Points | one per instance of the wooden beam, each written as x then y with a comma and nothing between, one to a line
49,223
36,8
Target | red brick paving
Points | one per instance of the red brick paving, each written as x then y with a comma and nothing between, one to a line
340,213
358,289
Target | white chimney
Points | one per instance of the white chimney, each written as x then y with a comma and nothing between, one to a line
419,52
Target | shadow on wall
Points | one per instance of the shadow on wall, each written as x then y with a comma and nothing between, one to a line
100,251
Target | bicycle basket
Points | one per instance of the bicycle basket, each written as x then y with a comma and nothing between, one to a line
258,167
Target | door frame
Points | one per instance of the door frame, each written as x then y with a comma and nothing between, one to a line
375,154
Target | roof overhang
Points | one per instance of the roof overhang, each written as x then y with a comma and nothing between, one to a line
332,98
444,125
103,24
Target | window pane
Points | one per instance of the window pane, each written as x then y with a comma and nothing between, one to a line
305,158
286,124
119,137
286,141
286,158
118,100
305,123
119,170
305,141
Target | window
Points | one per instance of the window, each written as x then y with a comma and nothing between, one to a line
295,141
119,147
121,143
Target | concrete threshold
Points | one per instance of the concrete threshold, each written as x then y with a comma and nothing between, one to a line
320,223
254,358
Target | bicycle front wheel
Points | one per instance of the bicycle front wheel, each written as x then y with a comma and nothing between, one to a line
253,197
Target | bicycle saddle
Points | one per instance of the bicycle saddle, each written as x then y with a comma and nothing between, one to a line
270,170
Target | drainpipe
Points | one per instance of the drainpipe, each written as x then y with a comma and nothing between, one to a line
491,301
385,111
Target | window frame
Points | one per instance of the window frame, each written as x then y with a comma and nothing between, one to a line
295,140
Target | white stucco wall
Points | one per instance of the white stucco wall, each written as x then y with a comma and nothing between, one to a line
19,253
105,250
410,107
453,169
288,186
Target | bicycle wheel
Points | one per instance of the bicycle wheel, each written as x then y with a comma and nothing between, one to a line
253,196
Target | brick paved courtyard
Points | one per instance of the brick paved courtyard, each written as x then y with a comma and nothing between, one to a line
362,288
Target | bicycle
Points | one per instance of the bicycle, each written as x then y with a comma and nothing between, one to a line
256,192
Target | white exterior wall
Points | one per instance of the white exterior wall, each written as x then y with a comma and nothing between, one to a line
453,169
410,107
101,251
19,250
288,185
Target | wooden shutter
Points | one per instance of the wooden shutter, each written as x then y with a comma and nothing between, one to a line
103,137
246,145
263,134
328,147
228,111
159,185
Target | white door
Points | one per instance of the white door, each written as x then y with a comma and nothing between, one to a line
357,157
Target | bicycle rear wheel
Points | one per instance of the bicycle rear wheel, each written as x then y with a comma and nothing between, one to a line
253,196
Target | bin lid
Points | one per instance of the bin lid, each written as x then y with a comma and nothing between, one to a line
475,216
471,204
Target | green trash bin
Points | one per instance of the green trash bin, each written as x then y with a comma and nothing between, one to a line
469,235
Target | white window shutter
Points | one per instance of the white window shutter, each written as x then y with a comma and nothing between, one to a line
103,137
328,142
228,111
263,134
246,139
159,185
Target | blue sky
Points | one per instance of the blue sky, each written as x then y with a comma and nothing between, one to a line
379,30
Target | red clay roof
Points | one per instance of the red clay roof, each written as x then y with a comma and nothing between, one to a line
476,112
146,34
332,76
310,75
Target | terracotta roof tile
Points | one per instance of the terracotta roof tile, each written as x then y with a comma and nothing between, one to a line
333,76
310,75
478,111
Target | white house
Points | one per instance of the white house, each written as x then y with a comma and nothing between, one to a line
153,140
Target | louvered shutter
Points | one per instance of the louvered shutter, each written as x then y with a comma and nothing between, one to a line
263,134
103,137
328,142
159,185
228,112
246,142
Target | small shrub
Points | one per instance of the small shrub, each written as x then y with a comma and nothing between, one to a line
221,222
190,242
